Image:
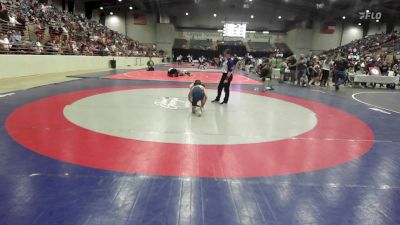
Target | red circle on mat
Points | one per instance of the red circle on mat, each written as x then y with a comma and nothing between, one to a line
337,138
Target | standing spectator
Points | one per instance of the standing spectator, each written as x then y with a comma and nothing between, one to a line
310,72
301,67
291,62
326,68
179,59
317,71
341,64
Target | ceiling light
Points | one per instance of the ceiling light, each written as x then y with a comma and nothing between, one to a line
359,24
279,17
120,0
111,13
344,17
377,21
252,16
265,32
215,15
101,8
130,7
187,14
250,0
367,11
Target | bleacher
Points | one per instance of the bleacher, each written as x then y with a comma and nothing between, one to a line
371,45
231,43
48,30
206,47
236,46
181,44
260,47
201,44
283,47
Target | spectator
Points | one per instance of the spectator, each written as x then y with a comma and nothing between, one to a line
326,68
301,67
341,64
292,67
4,42
150,64
13,20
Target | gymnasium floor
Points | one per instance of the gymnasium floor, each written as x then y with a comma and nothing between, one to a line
122,147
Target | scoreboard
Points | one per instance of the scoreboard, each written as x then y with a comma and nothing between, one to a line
234,30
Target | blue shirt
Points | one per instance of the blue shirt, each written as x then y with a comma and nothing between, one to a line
228,66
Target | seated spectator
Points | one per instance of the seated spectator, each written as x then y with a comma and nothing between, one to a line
396,69
13,20
384,69
3,13
38,47
18,36
4,43
150,65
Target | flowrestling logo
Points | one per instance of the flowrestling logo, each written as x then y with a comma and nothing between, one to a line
367,15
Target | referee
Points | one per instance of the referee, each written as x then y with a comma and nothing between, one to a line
227,76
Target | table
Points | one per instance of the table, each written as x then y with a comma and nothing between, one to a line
356,78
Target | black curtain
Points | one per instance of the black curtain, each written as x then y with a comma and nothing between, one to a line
71,5
196,53
240,50
89,7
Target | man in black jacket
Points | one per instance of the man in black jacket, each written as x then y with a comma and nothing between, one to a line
292,67
341,65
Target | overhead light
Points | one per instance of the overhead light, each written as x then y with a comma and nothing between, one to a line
251,31
215,15
377,21
265,32
101,8
130,7
120,0
220,30
367,11
279,17
111,13
250,0
252,16
359,24
344,17
187,14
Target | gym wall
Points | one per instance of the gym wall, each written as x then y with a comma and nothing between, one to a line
27,65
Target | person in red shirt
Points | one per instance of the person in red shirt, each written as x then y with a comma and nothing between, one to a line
371,64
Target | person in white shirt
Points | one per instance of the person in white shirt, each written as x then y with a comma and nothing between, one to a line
38,48
179,59
13,21
5,43
326,68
